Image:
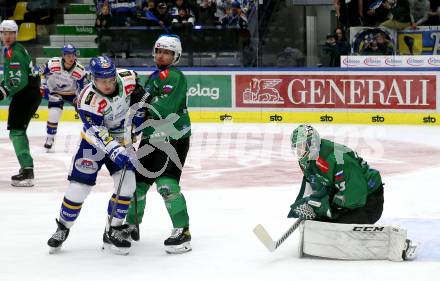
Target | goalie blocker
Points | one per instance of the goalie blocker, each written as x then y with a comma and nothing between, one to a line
355,241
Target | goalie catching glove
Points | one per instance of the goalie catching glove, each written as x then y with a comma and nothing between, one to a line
314,206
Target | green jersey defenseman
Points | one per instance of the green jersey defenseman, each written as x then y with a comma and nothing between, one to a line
338,185
22,88
164,145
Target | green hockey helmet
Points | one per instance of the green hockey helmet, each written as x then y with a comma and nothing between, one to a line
305,143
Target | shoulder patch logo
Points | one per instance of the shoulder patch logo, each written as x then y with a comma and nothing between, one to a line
322,164
167,89
339,176
102,104
129,89
14,65
76,74
125,73
164,74
89,98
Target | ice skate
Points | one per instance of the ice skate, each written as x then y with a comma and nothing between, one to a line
132,232
24,178
179,241
49,144
58,238
410,253
116,240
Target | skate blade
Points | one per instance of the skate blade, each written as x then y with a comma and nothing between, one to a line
115,250
178,249
24,183
412,251
54,250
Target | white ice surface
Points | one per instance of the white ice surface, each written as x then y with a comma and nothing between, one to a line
222,219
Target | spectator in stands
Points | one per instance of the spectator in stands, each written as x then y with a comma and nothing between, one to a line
329,50
400,10
183,18
148,14
104,19
349,13
340,48
434,13
7,8
235,17
41,11
222,7
384,46
375,12
123,11
207,11
163,17
174,11
378,46
419,11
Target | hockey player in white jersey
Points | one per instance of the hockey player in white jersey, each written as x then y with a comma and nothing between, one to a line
62,80
102,107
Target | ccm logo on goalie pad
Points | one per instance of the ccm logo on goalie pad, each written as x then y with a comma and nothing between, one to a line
368,228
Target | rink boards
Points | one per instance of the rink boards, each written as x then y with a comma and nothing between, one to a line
355,96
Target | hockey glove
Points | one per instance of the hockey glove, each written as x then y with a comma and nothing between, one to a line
3,93
44,92
321,205
121,158
301,209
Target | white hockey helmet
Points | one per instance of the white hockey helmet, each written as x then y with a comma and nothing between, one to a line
9,25
169,42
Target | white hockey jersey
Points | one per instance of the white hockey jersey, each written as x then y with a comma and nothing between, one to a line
61,81
104,116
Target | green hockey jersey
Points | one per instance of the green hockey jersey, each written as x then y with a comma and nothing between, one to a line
17,68
167,112
343,175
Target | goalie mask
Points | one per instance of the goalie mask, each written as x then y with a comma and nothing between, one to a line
305,144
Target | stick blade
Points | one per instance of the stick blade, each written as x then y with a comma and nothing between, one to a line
264,237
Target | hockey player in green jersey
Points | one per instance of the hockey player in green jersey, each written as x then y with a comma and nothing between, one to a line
340,200
338,185
22,87
164,145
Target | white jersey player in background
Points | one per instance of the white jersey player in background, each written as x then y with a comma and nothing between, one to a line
102,107
62,80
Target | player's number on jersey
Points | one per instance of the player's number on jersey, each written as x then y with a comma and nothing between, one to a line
15,74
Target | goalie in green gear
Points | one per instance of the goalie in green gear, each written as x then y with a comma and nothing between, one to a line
164,145
21,86
338,185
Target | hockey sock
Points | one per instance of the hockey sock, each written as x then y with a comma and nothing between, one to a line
69,212
51,128
52,121
174,201
121,209
20,142
141,192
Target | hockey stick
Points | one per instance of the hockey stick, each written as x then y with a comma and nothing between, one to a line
136,214
267,241
112,214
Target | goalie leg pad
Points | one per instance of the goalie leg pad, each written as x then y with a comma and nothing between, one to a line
352,241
